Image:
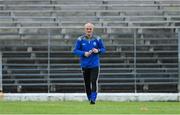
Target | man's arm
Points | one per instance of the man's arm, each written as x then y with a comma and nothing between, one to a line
77,50
101,49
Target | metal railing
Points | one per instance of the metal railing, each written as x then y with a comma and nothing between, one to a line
46,63
178,60
0,71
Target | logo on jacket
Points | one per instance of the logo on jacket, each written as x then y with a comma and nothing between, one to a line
94,43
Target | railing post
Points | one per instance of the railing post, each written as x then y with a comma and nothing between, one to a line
178,60
1,72
135,80
49,49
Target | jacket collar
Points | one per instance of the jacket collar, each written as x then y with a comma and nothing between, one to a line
92,37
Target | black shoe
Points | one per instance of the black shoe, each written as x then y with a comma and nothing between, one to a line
92,102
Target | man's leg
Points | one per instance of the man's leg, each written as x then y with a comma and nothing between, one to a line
86,75
94,81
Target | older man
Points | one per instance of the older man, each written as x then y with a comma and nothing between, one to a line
88,47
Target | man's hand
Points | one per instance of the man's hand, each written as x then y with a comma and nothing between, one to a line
95,50
87,54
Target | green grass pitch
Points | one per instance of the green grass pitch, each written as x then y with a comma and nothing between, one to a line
78,107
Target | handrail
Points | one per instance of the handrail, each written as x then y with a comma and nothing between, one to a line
98,27
94,0
97,11
93,5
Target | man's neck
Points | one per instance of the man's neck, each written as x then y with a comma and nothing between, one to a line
88,36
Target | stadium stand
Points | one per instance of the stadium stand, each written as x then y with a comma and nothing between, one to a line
37,38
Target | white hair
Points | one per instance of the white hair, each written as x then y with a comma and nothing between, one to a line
89,24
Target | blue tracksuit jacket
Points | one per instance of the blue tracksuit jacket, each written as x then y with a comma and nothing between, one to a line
83,44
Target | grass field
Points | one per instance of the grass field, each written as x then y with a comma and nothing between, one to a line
101,107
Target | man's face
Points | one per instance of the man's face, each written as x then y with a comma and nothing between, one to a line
89,30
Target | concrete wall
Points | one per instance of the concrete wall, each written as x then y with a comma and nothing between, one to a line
82,97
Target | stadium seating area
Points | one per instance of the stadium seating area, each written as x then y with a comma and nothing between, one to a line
37,38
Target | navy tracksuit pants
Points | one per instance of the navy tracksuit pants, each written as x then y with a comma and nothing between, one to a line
91,82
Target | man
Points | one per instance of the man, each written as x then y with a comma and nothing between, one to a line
88,47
